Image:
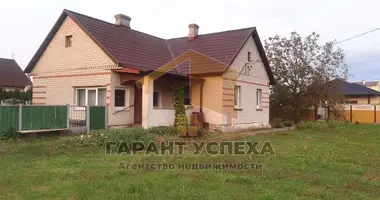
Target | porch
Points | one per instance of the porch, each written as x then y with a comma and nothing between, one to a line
152,99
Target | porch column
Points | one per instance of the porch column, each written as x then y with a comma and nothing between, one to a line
147,101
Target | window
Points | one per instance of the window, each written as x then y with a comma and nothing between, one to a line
249,56
102,95
187,95
81,97
119,97
258,98
237,94
156,99
91,96
68,41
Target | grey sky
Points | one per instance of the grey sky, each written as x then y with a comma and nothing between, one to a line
25,24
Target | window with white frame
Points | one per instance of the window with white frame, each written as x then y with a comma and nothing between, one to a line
258,98
237,94
90,96
120,97
249,58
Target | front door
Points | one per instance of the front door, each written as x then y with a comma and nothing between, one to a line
138,105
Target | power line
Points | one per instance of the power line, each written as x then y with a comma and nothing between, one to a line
356,36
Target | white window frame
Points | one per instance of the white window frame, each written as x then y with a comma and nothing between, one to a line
159,99
259,99
86,96
237,97
126,98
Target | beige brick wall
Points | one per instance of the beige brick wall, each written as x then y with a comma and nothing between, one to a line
257,78
119,116
60,70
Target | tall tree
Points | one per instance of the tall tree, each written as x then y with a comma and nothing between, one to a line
302,68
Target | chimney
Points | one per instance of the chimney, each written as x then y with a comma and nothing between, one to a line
193,31
123,20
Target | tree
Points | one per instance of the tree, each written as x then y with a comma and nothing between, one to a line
302,68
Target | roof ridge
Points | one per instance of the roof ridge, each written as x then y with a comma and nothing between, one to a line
109,23
218,32
83,15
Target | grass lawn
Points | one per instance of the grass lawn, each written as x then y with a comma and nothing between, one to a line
340,163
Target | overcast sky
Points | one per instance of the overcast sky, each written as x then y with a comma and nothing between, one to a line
25,24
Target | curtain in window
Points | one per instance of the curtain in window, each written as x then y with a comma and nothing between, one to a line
92,97
102,95
81,97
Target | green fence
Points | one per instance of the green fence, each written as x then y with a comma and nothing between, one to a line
97,117
44,117
8,118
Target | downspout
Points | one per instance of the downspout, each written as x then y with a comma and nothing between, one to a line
201,98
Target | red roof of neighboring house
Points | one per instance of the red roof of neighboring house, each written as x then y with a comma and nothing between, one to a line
134,49
11,75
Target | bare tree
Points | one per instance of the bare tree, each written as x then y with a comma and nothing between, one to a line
302,68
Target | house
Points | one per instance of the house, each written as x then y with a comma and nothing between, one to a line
11,75
374,85
356,93
87,61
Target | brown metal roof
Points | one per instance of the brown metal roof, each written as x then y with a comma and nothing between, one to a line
134,49
11,75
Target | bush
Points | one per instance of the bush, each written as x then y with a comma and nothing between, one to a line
99,138
277,123
11,133
320,125
163,130
287,123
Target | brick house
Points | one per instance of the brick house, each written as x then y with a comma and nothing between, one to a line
11,75
87,61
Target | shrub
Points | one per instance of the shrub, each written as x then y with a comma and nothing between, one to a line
276,123
99,138
287,123
11,133
163,130
320,125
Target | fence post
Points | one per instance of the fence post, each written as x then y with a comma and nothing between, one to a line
351,113
20,117
328,112
88,118
374,114
68,116
106,117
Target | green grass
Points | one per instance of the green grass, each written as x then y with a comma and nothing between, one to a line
339,163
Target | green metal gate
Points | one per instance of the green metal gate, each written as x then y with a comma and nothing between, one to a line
8,118
97,117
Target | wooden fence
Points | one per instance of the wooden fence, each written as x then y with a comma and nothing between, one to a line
27,119
354,113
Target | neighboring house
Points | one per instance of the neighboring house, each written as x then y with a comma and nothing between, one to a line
11,75
356,93
374,85
87,61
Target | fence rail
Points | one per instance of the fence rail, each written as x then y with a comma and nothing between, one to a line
354,113
26,118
